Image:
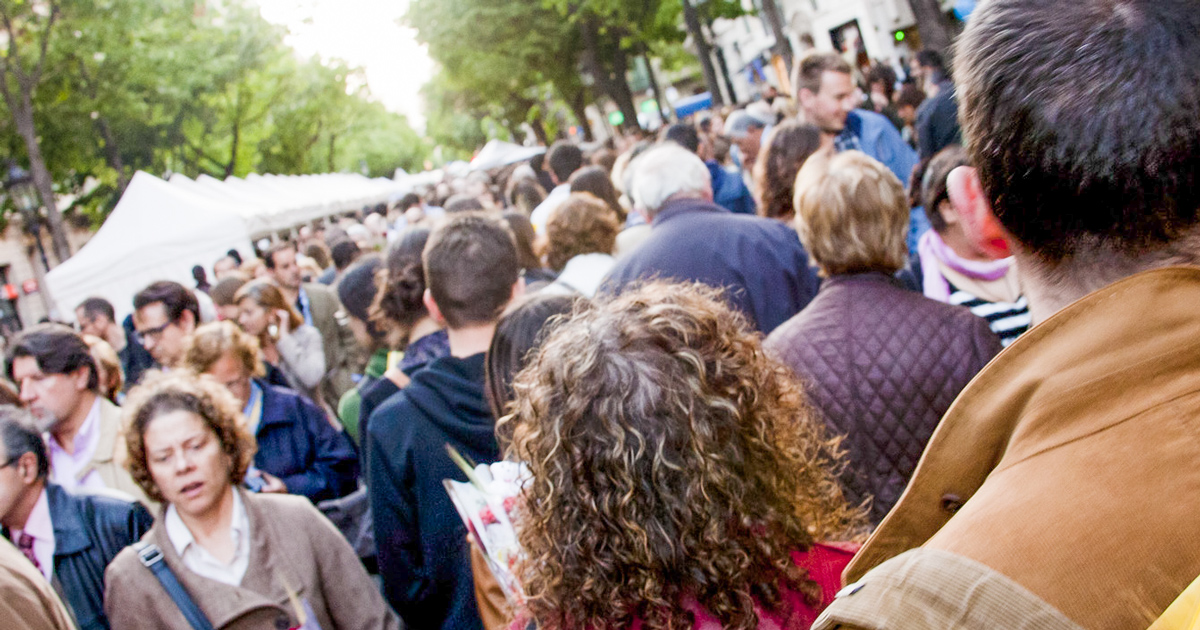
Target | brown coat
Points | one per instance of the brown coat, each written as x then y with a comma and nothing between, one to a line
26,599
1073,456
290,543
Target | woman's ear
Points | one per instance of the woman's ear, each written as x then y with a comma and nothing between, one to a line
974,211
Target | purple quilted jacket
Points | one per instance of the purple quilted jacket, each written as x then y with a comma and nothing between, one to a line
882,364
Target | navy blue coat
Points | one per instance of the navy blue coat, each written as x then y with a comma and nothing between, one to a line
89,531
423,553
297,444
759,261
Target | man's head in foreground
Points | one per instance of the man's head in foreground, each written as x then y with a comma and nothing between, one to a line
1081,121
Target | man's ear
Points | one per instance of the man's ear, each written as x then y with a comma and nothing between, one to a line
518,290
432,307
81,376
187,321
979,223
27,468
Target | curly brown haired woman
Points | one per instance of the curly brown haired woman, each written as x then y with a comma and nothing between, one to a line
678,478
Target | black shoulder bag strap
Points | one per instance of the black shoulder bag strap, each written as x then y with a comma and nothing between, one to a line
152,557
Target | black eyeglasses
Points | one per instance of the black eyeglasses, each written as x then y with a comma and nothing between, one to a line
152,333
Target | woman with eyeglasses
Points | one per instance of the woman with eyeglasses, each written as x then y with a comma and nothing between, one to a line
243,559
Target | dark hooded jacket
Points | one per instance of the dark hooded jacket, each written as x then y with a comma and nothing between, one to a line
423,554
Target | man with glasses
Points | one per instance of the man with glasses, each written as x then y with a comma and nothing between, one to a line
59,384
69,539
165,313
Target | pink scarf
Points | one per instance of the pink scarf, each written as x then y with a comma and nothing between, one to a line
934,252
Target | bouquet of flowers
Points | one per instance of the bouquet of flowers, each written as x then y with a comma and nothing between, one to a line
487,503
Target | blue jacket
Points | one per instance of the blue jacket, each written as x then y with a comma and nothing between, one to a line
759,261
729,190
423,553
297,444
89,531
879,139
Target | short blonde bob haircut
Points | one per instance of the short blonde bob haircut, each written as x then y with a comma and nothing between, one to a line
181,390
212,341
852,214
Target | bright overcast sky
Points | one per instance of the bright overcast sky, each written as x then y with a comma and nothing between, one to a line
363,33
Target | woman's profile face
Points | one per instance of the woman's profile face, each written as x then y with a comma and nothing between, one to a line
252,317
186,462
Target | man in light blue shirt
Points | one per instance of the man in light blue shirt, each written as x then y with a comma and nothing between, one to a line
828,99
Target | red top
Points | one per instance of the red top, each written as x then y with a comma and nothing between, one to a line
823,562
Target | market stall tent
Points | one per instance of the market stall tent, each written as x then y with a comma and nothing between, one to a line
157,231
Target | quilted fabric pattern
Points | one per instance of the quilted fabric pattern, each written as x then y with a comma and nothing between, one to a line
882,365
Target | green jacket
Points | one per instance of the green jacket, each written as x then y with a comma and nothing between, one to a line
348,405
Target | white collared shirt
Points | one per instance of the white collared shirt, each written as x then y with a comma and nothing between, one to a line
199,560
65,467
38,526
541,214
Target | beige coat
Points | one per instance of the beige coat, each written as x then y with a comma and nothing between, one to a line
291,545
26,599
109,460
1074,457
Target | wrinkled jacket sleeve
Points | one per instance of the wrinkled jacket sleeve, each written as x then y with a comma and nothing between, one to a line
302,352
394,511
333,472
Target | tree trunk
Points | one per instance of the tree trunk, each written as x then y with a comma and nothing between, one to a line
113,153
578,105
539,132
658,95
692,20
733,96
332,140
782,47
23,117
932,23
621,92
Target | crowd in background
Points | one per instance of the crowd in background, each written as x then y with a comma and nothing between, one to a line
769,353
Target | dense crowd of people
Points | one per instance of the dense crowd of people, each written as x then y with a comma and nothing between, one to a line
913,353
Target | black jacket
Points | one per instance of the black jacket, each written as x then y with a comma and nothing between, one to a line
759,261
89,531
423,555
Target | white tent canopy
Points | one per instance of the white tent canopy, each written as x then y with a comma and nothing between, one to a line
498,153
160,229
156,232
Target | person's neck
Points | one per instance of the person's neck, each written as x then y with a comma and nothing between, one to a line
957,241
1051,287
423,328
470,340
115,336
290,295
214,525
18,516
64,432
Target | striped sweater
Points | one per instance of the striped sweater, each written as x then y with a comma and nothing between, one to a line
1006,319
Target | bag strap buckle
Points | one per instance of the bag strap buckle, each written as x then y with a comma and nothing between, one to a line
149,554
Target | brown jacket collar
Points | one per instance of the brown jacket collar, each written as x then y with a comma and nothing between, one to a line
1142,331
268,572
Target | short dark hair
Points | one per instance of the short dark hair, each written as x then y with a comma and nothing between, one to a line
57,350
564,158
175,298
684,135
269,255
931,59
94,307
808,70
470,268
910,95
1076,160
882,73
408,201
344,252
19,436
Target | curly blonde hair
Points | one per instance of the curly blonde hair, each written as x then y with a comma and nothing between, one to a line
182,390
669,458
214,340
583,224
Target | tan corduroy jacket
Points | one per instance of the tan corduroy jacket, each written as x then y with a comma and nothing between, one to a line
291,546
109,460
1071,464
26,599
